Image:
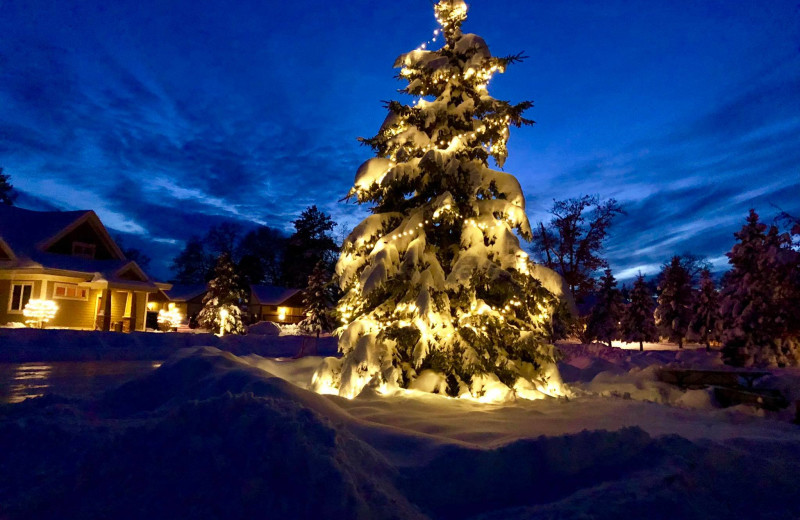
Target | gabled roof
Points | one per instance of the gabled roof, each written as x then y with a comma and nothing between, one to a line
5,251
271,294
26,231
27,235
23,230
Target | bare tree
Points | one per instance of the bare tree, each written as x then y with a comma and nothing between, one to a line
572,241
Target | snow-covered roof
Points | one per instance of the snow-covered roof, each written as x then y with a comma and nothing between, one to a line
23,229
184,293
272,294
28,233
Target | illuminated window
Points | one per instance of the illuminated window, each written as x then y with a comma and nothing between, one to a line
70,291
282,313
83,249
20,296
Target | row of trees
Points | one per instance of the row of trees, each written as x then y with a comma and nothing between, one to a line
262,255
304,259
753,313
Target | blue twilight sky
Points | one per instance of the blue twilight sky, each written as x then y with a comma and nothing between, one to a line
168,117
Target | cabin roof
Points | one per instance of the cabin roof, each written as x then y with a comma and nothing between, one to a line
272,294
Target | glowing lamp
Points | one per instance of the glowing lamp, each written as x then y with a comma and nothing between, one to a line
223,316
39,312
171,318
282,313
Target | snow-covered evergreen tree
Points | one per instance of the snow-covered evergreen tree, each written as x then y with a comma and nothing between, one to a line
435,280
222,304
318,302
760,299
706,320
674,311
638,320
604,320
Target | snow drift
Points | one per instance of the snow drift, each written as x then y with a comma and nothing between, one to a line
210,435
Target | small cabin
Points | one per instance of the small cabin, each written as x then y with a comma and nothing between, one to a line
276,304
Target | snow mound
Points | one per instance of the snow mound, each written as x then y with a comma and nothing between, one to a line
211,435
206,436
264,328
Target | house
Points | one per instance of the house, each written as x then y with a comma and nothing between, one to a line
187,299
278,304
69,257
267,303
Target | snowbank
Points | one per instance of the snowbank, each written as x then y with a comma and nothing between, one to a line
211,435
34,345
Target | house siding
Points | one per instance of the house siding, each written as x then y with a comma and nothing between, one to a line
74,314
270,313
5,299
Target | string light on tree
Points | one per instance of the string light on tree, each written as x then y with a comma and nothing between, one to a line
222,304
170,318
435,281
39,311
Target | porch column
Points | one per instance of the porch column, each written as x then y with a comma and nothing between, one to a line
106,310
43,290
133,311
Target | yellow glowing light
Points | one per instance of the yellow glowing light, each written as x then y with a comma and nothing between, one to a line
39,312
282,311
151,306
171,318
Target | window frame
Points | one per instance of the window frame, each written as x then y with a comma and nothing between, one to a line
11,310
66,286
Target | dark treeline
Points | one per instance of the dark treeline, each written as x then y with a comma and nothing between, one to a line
263,255
752,312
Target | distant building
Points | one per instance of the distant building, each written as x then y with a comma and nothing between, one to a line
187,299
69,257
267,303
277,304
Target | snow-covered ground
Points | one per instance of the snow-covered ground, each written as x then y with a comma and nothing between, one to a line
212,435
20,345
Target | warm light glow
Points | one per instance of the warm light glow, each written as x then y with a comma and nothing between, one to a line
435,308
171,318
223,317
151,306
39,312
282,313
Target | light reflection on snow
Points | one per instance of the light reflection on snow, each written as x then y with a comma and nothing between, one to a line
31,374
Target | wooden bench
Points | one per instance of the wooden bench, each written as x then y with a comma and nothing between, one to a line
727,385
763,398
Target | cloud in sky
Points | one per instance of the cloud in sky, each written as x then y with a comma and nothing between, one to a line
169,119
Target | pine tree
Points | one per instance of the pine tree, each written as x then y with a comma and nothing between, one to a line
260,253
191,265
604,320
318,302
435,278
638,321
7,195
673,312
760,300
706,320
222,304
310,244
